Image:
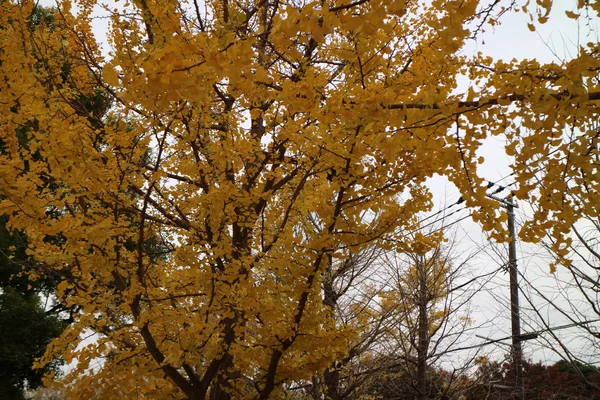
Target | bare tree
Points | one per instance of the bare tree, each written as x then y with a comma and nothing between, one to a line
573,299
431,296
410,311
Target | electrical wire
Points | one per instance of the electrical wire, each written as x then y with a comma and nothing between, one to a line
500,188
495,183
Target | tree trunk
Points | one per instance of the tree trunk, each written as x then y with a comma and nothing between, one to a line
423,343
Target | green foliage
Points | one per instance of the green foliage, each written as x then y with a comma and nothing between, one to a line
25,327
25,331
575,367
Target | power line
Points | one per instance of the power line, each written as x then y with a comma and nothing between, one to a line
461,199
524,336
442,219
500,188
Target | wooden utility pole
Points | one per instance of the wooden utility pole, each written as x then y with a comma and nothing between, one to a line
515,319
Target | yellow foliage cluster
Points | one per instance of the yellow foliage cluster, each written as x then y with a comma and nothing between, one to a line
253,140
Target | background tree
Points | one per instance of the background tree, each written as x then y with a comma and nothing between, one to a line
560,380
26,324
430,292
29,317
410,311
25,331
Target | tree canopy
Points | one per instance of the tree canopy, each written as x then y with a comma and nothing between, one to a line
257,142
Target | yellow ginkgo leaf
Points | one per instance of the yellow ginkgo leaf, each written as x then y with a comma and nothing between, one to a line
110,75
572,15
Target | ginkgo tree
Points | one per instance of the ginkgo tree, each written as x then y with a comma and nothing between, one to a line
232,122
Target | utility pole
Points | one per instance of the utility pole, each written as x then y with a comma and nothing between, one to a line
515,318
